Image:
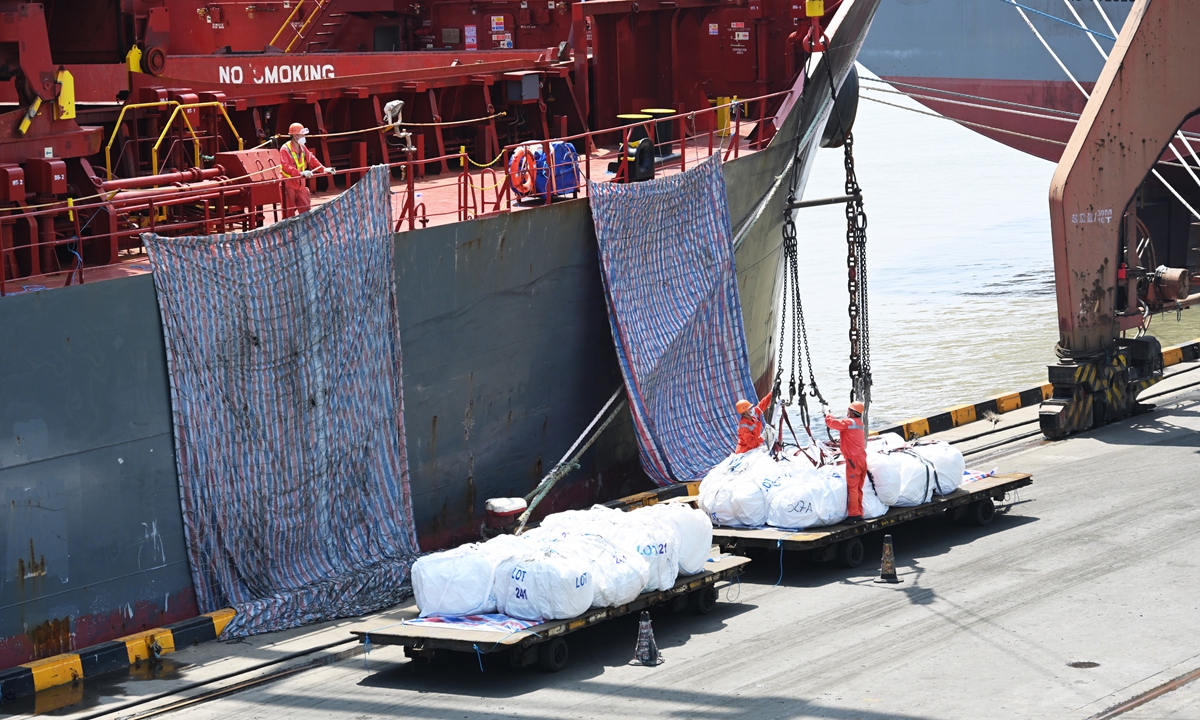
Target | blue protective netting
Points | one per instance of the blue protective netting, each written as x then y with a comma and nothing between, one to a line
666,250
283,350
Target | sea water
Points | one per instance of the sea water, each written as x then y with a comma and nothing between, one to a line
960,270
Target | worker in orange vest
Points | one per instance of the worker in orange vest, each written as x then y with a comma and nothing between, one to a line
750,424
298,164
853,444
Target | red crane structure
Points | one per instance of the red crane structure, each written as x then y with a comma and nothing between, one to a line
1123,215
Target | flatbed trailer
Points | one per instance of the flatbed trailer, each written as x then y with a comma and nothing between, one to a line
545,644
974,502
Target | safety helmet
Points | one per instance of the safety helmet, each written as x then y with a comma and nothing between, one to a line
297,129
856,407
743,406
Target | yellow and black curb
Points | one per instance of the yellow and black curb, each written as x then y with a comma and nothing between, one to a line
1187,352
963,414
106,657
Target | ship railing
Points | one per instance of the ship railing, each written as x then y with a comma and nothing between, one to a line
109,223
31,234
689,127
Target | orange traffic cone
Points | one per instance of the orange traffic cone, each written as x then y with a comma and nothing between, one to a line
646,652
887,567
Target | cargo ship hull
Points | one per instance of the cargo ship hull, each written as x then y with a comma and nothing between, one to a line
507,357
983,48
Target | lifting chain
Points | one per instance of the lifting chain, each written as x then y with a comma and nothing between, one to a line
856,265
801,356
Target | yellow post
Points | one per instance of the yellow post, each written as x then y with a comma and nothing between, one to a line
723,116
133,59
64,106
30,114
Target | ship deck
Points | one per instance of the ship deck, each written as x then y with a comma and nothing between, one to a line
440,193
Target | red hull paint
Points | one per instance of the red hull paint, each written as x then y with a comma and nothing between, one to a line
1052,95
68,634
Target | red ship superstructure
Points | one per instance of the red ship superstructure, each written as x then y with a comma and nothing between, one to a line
150,113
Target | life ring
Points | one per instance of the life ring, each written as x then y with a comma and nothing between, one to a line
520,170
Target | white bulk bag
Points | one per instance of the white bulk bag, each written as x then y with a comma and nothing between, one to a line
793,504
902,478
736,492
454,582
693,530
884,441
872,506
459,581
657,543
617,576
596,519
553,582
810,497
948,461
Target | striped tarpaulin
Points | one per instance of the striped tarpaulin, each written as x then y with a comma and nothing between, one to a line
666,250
283,350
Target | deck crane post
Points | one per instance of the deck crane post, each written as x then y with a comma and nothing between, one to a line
1106,288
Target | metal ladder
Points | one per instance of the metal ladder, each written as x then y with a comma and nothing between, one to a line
319,19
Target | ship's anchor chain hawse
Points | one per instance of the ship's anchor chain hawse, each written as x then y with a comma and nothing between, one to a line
856,261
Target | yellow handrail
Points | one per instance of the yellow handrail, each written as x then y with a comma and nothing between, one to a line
307,21
195,140
299,34
286,23
117,128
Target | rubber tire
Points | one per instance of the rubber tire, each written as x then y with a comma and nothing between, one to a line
982,512
850,553
704,600
553,655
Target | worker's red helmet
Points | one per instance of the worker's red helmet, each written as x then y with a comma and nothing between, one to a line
297,129
857,407
743,406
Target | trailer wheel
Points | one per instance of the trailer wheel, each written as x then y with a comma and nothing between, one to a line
850,553
982,512
703,601
552,655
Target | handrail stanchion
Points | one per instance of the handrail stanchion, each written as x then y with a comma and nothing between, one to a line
627,138
736,137
682,144
762,123
507,179
737,133
711,130
78,244
587,163
410,201
550,184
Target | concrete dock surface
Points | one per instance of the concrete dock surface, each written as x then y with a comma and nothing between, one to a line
1097,564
